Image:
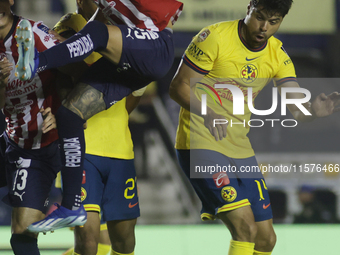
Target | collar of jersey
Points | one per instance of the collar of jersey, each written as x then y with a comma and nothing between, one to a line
244,42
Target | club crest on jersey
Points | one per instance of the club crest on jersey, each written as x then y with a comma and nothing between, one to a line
83,194
249,73
204,35
229,194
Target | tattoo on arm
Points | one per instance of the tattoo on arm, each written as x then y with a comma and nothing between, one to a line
85,101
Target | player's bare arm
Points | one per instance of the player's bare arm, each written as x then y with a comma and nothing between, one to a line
181,92
133,99
85,101
180,88
321,106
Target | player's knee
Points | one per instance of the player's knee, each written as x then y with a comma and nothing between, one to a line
86,240
271,241
123,247
266,243
244,231
123,241
86,246
247,231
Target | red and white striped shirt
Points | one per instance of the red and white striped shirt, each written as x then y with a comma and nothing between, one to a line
25,98
147,14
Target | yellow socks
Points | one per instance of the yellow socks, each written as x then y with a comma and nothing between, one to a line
262,253
241,248
117,253
69,252
103,249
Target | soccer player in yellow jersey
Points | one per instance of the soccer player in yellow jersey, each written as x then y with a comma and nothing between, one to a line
240,57
109,178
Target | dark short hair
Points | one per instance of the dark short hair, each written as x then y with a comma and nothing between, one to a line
274,6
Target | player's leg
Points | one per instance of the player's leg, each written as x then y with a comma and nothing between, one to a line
122,207
90,238
266,238
243,230
122,236
241,224
72,148
123,46
82,102
23,241
258,195
94,36
87,237
223,197
30,174
104,245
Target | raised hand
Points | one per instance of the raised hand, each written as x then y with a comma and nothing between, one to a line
323,105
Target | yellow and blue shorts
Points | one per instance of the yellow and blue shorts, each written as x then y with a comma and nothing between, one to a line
225,191
110,187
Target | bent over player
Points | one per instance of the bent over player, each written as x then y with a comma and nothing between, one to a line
137,50
242,54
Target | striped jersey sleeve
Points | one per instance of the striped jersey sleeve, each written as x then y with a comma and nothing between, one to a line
286,72
146,14
202,51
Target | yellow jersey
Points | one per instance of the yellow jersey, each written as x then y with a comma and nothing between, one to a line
220,53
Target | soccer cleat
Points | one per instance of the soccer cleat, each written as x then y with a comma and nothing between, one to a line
28,60
60,218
